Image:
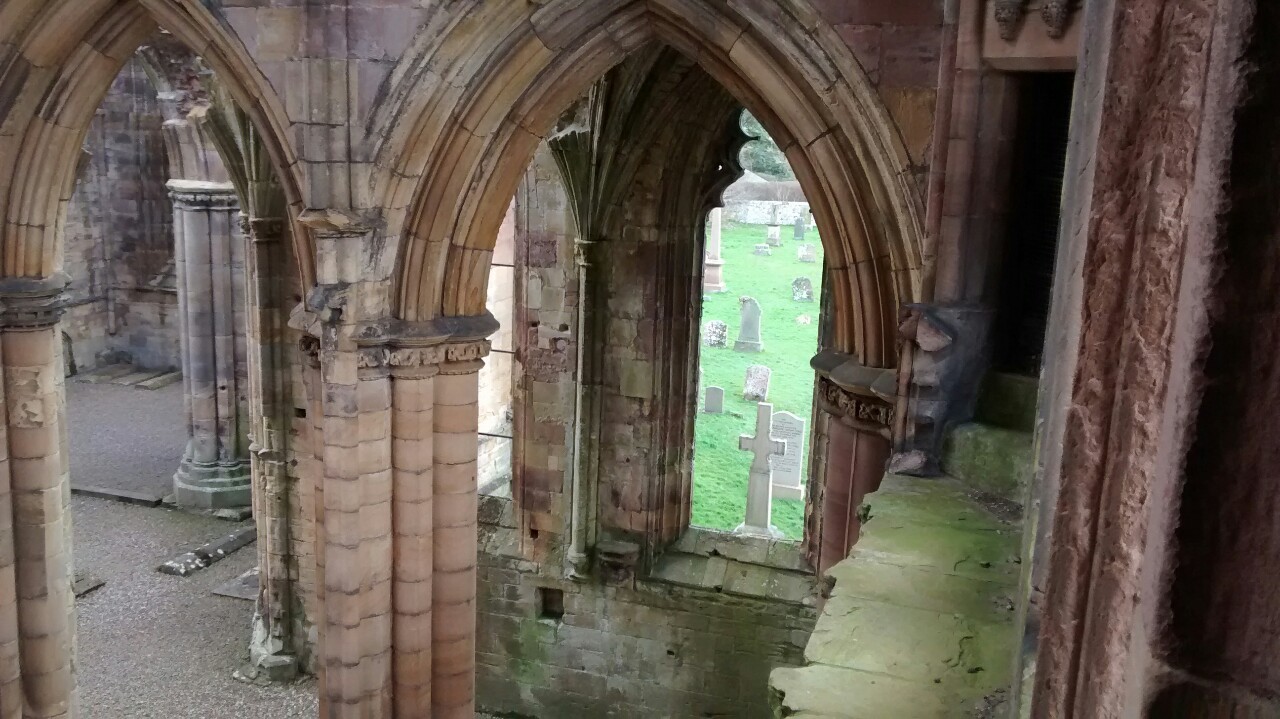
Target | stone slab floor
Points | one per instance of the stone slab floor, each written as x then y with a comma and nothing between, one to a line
154,645
125,438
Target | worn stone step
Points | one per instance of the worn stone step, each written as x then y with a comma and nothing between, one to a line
127,496
134,378
106,373
991,459
824,692
163,380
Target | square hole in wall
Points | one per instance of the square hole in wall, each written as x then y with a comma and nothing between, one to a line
550,603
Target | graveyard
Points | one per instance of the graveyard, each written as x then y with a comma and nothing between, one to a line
788,338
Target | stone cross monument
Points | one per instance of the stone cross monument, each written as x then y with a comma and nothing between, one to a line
713,264
759,519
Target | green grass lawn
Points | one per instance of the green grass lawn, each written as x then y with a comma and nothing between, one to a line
720,468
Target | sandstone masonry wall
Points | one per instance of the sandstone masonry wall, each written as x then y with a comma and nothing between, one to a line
119,251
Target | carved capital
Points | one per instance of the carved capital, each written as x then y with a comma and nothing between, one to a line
446,358
199,195
309,349
859,410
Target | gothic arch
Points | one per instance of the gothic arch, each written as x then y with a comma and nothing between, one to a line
62,56
486,81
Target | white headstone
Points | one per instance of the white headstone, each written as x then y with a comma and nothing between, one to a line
774,236
762,250
806,253
788,468
714,403
755,387
749,326
759,517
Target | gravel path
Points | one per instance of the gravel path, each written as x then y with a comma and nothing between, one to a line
125,437
163,647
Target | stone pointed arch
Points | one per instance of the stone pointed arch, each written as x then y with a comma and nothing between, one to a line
484,84
60,57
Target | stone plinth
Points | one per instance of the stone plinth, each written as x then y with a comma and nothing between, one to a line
713,265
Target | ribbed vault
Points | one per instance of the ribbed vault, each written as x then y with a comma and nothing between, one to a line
57,61
487,81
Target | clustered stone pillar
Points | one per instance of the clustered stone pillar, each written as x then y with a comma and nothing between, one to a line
209,259
37,610
397,520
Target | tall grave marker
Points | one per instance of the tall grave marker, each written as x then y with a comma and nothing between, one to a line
759,517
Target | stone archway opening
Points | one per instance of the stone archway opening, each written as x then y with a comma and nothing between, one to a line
67,55
471,132
761,316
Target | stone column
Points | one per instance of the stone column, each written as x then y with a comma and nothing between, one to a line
271,650
35,577
214,472
713,265
412,519
456,421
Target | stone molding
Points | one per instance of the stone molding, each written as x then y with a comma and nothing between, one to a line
32,303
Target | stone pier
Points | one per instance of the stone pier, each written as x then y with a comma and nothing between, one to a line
209,260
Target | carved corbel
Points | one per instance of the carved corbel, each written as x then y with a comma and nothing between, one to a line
1056,14
1009,17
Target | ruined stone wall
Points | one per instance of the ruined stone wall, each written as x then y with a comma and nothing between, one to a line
119,251
1224,619
899,46
697,638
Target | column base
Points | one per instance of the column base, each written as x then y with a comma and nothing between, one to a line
750,530
213,486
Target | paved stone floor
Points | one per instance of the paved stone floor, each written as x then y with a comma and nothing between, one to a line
153,645
125,437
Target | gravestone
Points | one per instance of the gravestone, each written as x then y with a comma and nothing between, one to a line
802,289
799,228
804,320
806,253
774,236
759,518
716,334
763,250
714,402
748,326
788,468
755,387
